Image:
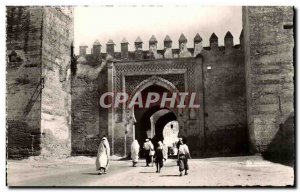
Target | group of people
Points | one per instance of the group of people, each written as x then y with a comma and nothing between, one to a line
158,155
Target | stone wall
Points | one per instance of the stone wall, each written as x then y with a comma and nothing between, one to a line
23,99
225,101
89,121
56,95
38,81
269,45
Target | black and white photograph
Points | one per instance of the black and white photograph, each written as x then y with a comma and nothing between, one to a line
150,95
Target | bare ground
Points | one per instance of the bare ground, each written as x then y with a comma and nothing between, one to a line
80,171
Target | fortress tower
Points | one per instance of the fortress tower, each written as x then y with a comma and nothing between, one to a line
39,41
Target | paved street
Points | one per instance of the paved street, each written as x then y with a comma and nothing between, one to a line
80,171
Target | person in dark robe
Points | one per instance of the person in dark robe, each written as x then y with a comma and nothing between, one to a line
159,157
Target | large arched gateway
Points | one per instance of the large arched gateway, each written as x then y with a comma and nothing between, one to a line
172,77
215,75
149,121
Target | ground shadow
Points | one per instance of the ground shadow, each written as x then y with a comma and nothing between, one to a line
89,173
128,157
170,175
147,172
281,149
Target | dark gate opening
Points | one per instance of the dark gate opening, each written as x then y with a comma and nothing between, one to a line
142,115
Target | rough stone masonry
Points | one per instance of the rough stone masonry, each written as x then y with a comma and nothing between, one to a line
246,91
38,45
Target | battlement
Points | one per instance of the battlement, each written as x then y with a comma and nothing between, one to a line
153,52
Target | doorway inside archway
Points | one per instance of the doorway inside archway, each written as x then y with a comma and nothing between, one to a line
163,126
170,134
151,122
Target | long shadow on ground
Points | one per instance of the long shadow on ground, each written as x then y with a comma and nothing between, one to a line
281,149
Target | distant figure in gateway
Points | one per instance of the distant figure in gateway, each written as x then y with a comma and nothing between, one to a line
149,152
102,161
135,148
159,156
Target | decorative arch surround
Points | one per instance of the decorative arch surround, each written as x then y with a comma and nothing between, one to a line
154,80
179,72
174,75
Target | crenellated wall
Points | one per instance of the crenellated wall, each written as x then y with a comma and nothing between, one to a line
216,73
153,52
225,101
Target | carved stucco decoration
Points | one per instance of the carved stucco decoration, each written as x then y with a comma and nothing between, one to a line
129,76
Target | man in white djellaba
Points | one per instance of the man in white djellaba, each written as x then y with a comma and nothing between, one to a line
135,149
102,161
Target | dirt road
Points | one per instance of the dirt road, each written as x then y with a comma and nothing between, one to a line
80,171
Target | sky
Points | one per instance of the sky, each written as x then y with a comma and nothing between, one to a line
115,22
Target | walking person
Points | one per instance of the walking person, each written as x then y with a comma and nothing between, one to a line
165,151
159,157
102,160
183,156
149,151
135,148
178,143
